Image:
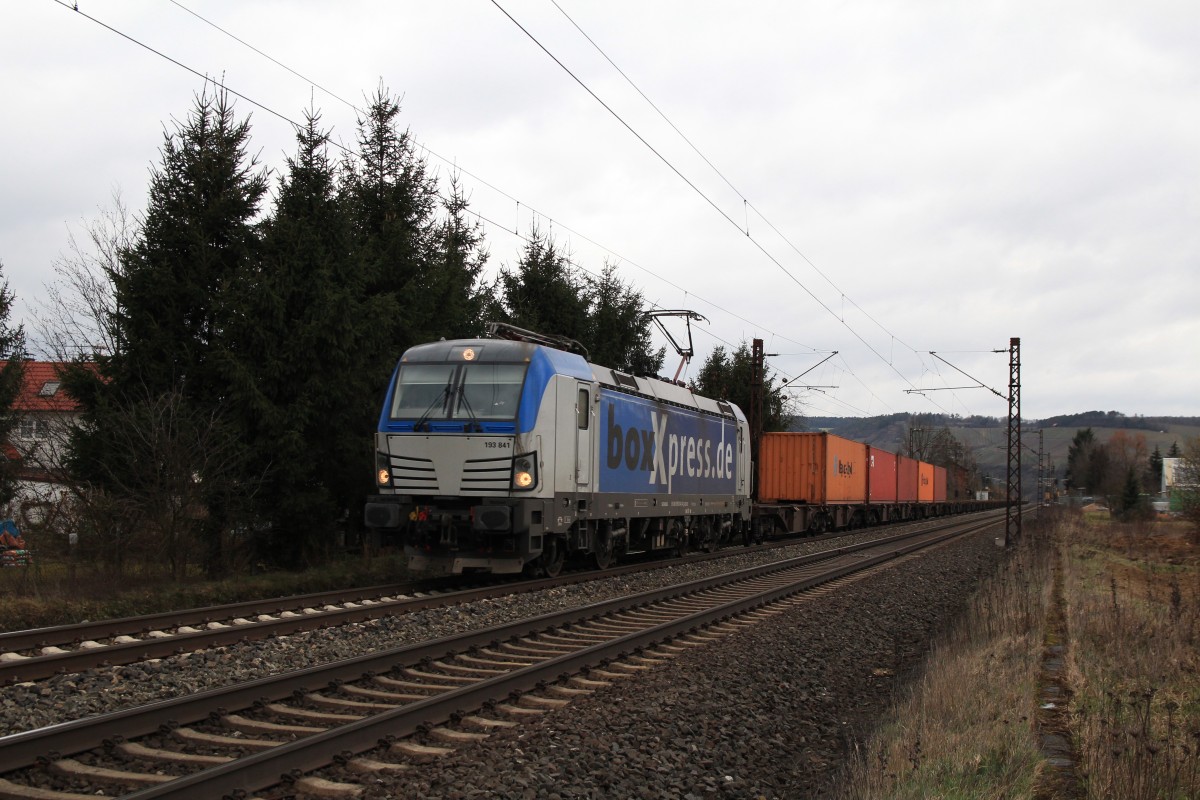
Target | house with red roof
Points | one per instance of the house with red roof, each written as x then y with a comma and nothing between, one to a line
46,413
45,410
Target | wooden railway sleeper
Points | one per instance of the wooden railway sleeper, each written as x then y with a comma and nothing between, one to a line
135,750
76,769
373,766
16,791
383,694
494,662
478,673
320,699
216,740
322,717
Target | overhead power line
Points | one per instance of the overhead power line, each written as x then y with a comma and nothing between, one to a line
709,200
449,162
726,180
298,126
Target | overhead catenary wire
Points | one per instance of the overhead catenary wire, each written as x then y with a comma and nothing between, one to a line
452,163
330,141
758,245
746,204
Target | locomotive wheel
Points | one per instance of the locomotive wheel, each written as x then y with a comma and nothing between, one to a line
602,548
554,553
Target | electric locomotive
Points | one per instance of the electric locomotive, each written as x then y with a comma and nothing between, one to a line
512,455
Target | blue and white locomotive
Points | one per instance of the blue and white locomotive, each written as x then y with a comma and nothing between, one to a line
506,456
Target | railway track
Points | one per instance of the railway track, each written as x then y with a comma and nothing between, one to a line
418,699
41,653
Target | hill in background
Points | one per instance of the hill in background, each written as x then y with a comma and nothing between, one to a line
987,437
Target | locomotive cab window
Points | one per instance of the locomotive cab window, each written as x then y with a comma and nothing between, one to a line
490,391
583,409
422,389
460,391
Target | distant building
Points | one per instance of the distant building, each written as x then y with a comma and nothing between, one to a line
1175,479
1171,468
39,440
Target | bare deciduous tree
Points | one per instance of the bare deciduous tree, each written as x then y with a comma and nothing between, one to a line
178,473
74,319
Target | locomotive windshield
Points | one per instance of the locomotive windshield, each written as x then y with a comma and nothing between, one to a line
477,391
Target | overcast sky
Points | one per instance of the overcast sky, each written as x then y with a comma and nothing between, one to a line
913,176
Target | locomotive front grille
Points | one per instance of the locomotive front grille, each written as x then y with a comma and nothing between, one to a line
491,474
415,474
449,466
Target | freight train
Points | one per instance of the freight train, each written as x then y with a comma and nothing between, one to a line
512,455
814,482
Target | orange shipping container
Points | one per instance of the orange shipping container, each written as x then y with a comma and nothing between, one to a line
811,468
939,484
881,475
907,479
925,487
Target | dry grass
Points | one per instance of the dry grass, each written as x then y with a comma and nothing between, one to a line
1133,596
965,730
51,593
1132,601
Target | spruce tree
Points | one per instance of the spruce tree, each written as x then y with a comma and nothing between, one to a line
298,380
1156,467
1130,500
619,331
177,294
1079,460
726,376
546,293
457,258
174,298
392,202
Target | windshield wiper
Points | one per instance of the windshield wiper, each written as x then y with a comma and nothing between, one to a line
440,399
464,403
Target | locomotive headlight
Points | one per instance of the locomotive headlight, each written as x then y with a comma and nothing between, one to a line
383,469
524,474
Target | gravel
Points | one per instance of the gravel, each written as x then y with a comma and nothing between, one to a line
769,712
69,697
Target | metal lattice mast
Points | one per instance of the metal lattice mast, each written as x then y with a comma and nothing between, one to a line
1012,511
755,412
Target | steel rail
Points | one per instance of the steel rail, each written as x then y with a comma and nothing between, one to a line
125,626
45,666
21,750
264,769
